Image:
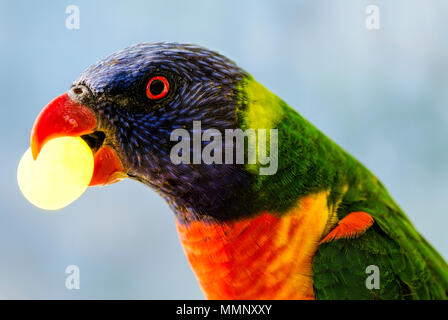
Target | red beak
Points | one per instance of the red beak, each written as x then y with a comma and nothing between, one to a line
63,117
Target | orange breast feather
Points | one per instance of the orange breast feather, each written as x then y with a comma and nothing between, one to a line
266,257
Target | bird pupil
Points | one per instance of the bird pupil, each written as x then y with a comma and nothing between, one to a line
156,87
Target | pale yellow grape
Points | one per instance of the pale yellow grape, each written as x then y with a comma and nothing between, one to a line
59,176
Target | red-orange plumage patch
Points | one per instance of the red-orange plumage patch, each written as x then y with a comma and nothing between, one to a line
351,226
266,257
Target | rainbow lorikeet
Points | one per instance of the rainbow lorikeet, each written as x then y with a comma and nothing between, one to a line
310,230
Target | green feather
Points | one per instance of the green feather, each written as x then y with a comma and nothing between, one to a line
309,162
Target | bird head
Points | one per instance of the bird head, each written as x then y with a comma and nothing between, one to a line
126,106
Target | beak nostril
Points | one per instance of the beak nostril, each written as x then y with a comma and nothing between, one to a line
79,92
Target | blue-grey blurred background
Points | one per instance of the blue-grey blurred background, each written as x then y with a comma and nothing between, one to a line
381,94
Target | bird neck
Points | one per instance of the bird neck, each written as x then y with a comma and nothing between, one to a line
265,257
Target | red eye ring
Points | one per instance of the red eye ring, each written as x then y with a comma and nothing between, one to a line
164,92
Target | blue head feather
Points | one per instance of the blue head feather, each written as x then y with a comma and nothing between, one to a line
203,87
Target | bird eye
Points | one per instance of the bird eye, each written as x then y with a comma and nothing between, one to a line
157,87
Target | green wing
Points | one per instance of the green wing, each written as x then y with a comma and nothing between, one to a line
310,162
409,267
